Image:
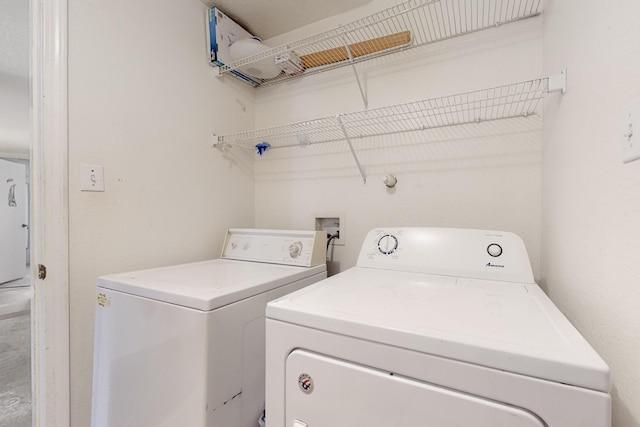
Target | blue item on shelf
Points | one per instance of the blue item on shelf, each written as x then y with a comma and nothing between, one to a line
262,147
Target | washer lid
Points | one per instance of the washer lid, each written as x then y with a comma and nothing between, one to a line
508,326
209,284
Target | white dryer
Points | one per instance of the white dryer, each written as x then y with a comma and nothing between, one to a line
433,327
183,346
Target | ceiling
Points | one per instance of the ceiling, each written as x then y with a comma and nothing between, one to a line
266,19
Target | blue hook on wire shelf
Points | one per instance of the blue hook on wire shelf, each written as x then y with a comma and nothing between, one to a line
262,147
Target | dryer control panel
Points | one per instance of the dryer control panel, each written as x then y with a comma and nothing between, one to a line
288,247
470,253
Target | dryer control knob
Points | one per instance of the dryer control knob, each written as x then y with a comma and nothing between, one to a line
388,244
295,249
494,249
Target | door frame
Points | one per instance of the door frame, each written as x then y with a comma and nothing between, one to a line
50,214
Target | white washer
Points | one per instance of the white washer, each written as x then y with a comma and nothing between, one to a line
184,345
442,327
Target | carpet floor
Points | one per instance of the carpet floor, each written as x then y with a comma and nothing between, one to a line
15,357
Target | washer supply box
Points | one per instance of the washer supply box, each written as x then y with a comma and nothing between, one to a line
222,32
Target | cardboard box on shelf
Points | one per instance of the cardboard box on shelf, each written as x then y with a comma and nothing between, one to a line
222,32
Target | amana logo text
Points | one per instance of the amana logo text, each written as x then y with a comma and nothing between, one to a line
494,265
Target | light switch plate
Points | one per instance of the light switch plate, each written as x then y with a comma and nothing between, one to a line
630,141
91,177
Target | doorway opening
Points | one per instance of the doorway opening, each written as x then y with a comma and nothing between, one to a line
16,294
16,282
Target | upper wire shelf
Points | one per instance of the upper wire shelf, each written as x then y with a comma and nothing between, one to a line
407,25
502,102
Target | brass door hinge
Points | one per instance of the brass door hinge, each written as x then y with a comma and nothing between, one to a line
42,271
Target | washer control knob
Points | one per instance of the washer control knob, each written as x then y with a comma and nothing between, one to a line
295,249
387,244
494,249
246,245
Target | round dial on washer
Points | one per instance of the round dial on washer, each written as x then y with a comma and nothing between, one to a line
388,244
295,249
494,249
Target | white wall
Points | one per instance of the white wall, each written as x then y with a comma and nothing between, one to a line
14,115
14,79
143,103
479,176
591,202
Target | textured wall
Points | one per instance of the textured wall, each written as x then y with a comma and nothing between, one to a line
14,78
14,115
591,203
478,176
144,103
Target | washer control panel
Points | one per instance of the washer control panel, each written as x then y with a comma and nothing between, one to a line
295,249
288,247
481,254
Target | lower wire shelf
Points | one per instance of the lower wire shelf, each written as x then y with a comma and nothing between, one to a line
496,103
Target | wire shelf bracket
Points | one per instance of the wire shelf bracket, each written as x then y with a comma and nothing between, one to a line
520,99
353,152
355,72
407,25
558,82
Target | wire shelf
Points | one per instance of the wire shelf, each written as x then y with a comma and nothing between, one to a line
407,25
501,102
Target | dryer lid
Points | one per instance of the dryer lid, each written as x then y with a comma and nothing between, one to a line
508,326
207,285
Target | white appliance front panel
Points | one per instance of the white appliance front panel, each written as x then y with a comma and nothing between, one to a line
327,392
509,326
559,405
149,362
163,365
207,285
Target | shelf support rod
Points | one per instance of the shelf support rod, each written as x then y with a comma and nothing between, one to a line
355,72
353,152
